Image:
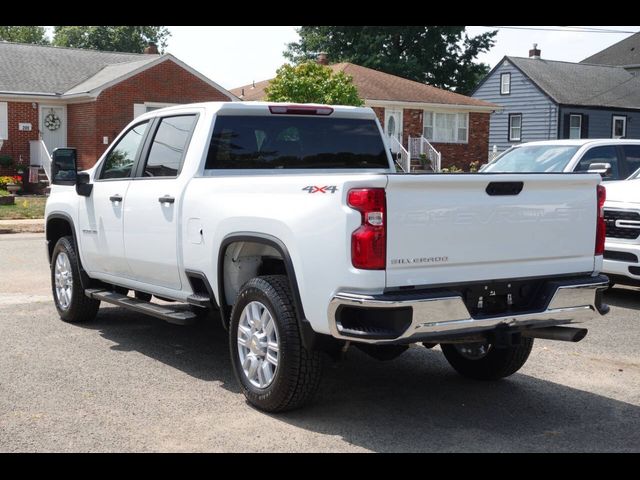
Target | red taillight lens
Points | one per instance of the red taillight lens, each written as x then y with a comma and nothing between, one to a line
601,226
369,241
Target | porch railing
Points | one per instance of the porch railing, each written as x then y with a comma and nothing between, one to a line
420,146
40,156
401,155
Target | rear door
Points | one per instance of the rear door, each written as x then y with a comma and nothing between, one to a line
450,229
153,202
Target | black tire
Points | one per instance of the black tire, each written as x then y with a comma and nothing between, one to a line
299,371
497,363
80,308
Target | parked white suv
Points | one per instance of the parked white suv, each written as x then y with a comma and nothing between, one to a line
622,217
291,220
615,159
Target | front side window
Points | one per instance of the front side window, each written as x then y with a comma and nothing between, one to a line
575,126
446,127
515,127
122,156
600,155
282,142
169,145
505,84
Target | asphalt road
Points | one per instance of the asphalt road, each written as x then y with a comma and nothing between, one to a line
127,382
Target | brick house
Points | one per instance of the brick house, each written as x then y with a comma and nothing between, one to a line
455,125
84,98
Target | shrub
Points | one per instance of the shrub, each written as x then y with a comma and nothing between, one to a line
6,161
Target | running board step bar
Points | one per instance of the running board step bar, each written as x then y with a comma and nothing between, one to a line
169,313
199,300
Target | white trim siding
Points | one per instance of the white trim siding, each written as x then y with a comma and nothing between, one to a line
4,120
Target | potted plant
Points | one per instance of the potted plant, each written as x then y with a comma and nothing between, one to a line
15,184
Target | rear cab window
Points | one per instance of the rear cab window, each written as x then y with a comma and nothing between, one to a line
295,142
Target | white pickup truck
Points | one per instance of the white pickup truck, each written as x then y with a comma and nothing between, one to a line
292,222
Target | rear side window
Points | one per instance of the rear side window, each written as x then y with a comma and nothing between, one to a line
632,155
169,145
121,158
255,142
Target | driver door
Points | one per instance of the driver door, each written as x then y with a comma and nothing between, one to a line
101,215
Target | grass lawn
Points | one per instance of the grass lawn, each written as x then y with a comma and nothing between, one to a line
25,207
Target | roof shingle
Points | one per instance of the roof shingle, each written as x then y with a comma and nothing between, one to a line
26,68
582,84
375,85
626,52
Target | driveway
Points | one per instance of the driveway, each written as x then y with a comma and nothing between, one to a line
127,382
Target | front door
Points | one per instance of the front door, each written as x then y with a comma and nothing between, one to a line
101,215
53,126
393,127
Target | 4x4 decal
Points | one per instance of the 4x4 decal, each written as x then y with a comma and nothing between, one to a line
325,189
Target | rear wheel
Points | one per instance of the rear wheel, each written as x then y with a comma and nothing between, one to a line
72,304
274,369
484,361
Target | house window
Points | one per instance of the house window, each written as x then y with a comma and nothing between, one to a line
505,84
141,108
515,127
446,127
4,121
575,126
619,126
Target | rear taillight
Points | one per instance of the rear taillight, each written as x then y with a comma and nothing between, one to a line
369,241
601,227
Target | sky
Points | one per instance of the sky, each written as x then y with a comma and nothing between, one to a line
236,56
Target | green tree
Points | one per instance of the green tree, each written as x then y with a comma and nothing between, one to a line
442,56
310,82
24,34
111,38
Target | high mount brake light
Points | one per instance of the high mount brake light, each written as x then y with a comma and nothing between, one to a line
299,110
369,241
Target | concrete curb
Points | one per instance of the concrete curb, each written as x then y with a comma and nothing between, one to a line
22,226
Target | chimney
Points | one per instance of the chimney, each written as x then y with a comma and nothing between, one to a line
322,59
535,53
151,49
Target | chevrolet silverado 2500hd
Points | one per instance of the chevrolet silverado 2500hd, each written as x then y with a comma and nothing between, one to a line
291,220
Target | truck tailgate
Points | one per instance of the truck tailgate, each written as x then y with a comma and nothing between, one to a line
447,228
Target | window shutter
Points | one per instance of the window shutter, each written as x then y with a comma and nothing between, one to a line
4,121
566,125
584,131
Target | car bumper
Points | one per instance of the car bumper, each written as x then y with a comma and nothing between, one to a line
622,262
429,316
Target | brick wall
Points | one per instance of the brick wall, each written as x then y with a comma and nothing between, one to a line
411,124
82,132
17,145
379,111
113,109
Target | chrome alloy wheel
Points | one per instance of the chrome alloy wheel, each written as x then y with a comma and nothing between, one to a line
63,280
258,344
473,351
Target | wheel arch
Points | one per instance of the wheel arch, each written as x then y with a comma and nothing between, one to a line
306,332
58,225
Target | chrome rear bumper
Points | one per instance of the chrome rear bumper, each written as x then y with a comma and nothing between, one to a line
441,315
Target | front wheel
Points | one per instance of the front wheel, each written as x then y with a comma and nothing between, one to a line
484,361
275,371
72,304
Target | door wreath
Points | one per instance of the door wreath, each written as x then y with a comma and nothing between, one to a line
52,121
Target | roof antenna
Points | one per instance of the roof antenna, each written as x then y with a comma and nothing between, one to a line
253,84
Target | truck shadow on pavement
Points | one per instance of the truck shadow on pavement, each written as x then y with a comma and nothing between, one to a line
625,297
415,403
